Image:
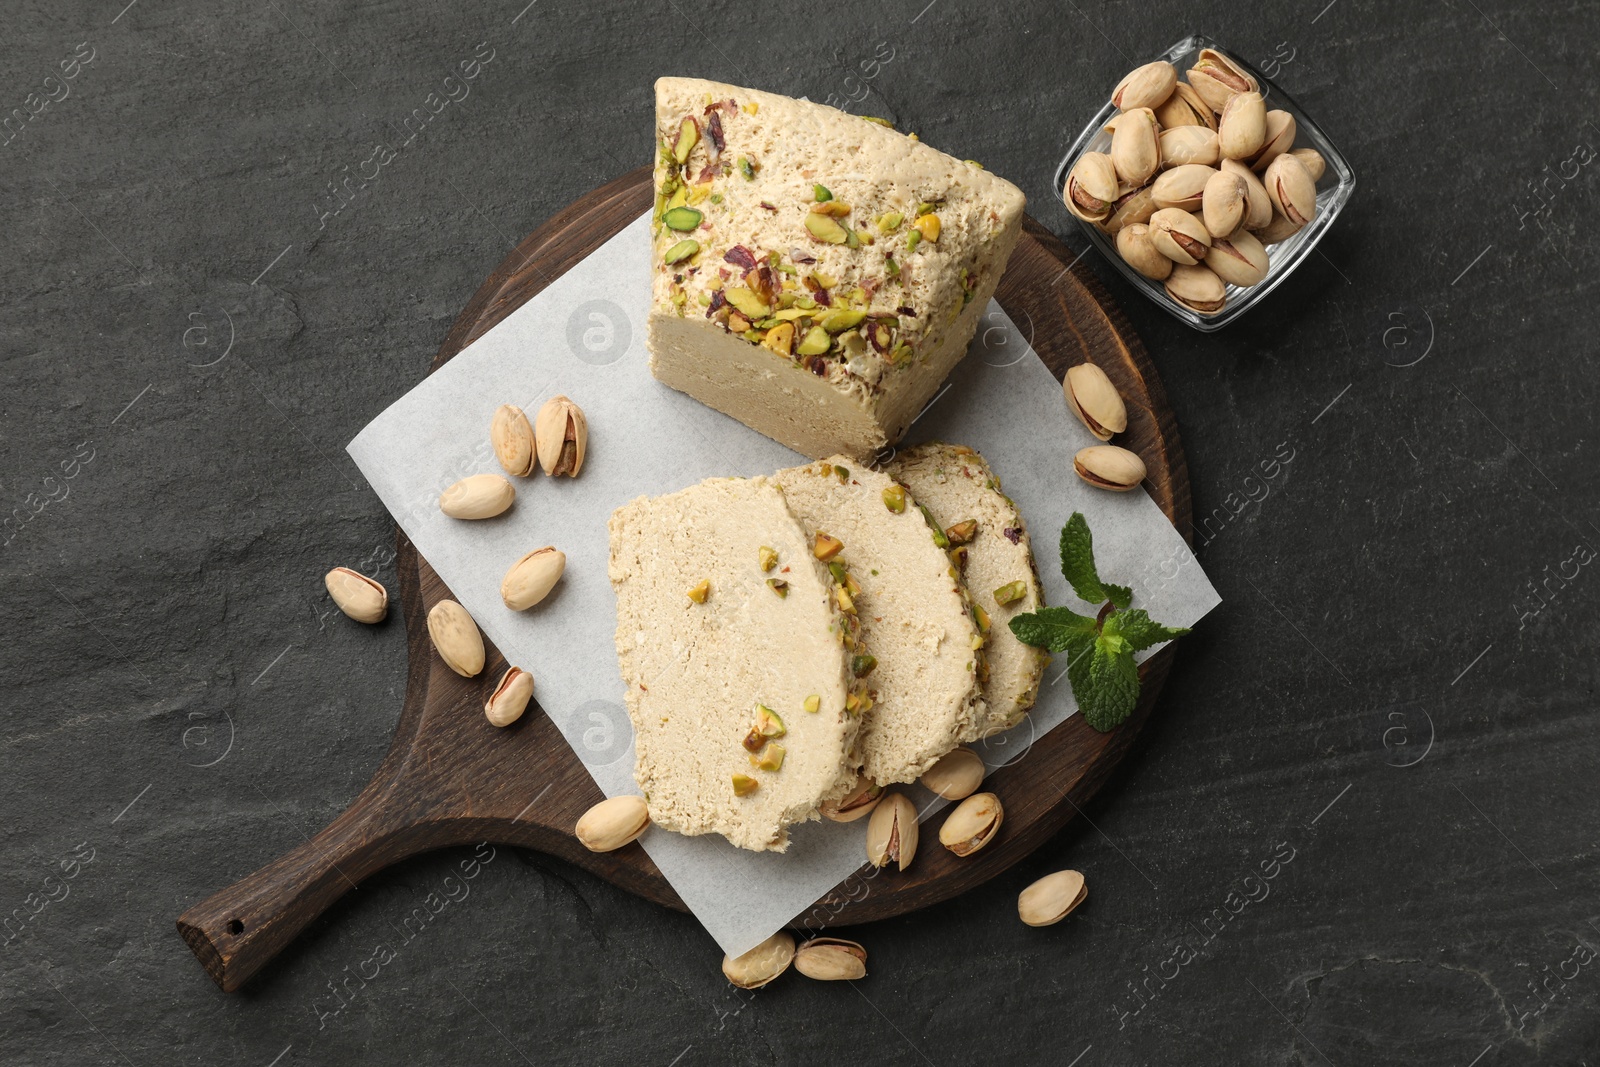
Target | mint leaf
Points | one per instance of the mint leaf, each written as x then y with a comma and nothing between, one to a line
1077,566
1112,689
1139,630
1052,628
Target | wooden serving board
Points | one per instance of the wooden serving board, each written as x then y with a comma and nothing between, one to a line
450,778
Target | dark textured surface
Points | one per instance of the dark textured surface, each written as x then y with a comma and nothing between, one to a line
163,610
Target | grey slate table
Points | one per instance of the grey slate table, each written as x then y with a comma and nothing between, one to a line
1392,712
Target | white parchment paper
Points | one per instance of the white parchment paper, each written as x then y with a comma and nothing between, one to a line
584,336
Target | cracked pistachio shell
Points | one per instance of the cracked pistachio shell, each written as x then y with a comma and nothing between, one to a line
1094,399
1291,190
510,697
1280,137
1185,108
1139,252
831,959
512,438
857,802
358,596
1238,260
1197,288
1216,77
1258,207
1091,187
1109,467
761,964
1278,229
1147,86
1223,205
1179,236
1189,144
481,496
892,832
1182,187
1242,130
1050,899
1130,208
456,638
562,435
1135,150
612,823
1312,160
531,578
960,771
975,820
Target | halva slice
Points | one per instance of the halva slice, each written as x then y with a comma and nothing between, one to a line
816,275
924,660
963,494
737,662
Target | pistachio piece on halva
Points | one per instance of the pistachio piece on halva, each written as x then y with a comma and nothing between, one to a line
1093,398
1312,160
1185,108
479,496
831,959
1182,187
1135,151
1107,467
1139,252
957,775
456,638
1179,236
510,697
512,438
1050,899
1091,187
531,578
761,964
360,597
1223,204
612,823
1128,209
1217,77
1146,86
892,832
1290,188
562,435
1280,138
744,785
972,824
1189,144
1239,259
1258,207
1242,130
1197,288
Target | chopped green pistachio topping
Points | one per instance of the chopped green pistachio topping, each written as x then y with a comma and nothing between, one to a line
913,239
700,591
1010,593
771,758
683,219
681,251
813,702
862,665
744,785
822,194
768,557
779,586
747,169
938,535
962,532
894,498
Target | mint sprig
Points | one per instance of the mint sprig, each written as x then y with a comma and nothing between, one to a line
1100,666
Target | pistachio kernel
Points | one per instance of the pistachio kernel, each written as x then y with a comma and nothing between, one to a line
681,251
700,591
894,498
683,219
826,547
861,665
939,537
1010,593
962,532
744,785
821,193
779,586
747,169
771,758
768,557
825,228
813,702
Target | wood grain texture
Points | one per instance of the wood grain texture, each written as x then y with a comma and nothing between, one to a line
450,778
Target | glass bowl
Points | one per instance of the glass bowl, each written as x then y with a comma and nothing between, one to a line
1333,190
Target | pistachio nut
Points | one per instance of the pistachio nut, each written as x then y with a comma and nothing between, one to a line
1242,130
1093,398
1239,259
1139,252
1280,138
510,697
1147,86
1109,467
1091,187
1258,207
612,823
1189,144
512,439
1135,152
456,638
1278,229
1185,108
892,832
1216,77
959,772
831,959
1312,160
531,578
973,823
1179,236
857,801
1223,205
1291,189
481,496
562,435
761,964
1136,206
1049,900
358,596
1182,186
1197,288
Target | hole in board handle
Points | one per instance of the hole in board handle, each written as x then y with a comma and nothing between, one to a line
235,927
